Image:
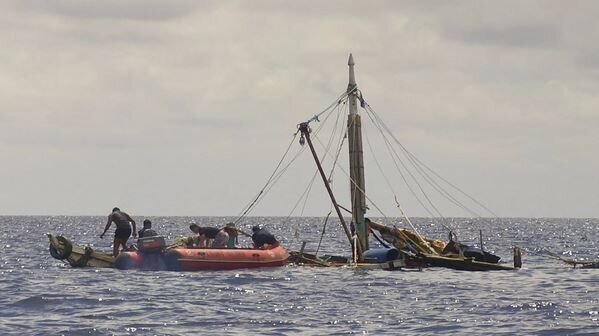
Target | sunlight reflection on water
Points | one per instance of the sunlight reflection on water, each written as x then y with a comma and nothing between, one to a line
41,296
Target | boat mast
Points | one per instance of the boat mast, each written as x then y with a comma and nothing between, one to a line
305,130
356,159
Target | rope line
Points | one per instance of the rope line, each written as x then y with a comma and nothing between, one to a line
278,172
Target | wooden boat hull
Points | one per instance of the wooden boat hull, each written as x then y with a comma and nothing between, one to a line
309,259
462,264
591,265
433,253
77,256
203,259
406,261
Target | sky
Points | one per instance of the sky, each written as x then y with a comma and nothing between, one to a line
185,107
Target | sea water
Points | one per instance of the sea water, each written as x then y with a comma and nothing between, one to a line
42,296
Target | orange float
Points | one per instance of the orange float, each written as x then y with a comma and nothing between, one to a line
152,255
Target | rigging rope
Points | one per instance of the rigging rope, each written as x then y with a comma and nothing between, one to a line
276,174
306,192
422,168
324,227
423,173
339,146
342,97
353,182
391,187
418,164
396,158
261,192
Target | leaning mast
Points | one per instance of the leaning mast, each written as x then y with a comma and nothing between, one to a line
356,160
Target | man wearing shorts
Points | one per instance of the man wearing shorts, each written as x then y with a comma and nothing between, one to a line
123,229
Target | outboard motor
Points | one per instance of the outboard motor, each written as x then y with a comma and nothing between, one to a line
151,250
151,245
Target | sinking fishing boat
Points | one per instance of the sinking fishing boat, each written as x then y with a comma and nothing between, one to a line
153,253
77,256
401,248
594,264
572,262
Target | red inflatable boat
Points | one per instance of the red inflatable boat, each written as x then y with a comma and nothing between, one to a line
153,256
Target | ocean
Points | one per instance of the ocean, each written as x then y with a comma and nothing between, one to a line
42,296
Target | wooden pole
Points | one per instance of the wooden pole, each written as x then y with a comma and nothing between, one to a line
517,257
303,127
356,159
480,237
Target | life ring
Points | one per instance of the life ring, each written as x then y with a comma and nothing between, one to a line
66,251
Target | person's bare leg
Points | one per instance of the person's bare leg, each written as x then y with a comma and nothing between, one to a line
115,247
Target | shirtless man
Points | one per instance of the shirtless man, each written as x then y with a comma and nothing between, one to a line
123,229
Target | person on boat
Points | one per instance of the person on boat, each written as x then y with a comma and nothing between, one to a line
221,239
210,236
262,238
231,230
147,230
123,231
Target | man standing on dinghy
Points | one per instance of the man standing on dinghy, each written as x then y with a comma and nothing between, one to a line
123,223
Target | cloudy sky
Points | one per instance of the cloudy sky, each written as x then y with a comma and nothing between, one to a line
184,107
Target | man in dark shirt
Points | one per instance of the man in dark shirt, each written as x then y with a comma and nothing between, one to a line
147,230
123,231
262,237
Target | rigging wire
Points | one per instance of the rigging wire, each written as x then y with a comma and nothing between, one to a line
452,185
324,227
331,138
343,136
419,166
343,96
261,192
395,159
419,169
426,173
422,168
276,174
305,194
376,161
352,180
390,187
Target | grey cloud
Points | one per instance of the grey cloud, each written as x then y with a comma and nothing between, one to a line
493,88
214,123
589,59
136,37
150,10
521,35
